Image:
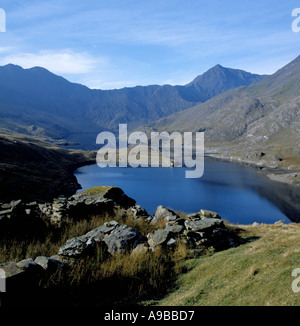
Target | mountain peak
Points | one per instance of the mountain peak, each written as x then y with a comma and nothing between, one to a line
219,79
11,66
217,66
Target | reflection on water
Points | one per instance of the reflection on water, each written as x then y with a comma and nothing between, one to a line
285,197
239,194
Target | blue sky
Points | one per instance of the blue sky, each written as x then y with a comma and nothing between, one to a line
114,44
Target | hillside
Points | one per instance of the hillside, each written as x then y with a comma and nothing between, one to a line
258,273
33,170
37,102
256,124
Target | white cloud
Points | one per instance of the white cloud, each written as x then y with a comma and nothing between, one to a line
4,49
62,62
98,72
109,84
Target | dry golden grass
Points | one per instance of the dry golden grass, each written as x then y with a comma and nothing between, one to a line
26,243
123,277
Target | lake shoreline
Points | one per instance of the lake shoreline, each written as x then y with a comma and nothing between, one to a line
289,176
276,174
145,190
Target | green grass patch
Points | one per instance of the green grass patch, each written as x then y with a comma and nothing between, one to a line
96,190
257,273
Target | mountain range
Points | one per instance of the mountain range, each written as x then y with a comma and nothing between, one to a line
245,117
39,103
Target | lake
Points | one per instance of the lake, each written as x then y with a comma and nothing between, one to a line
239,194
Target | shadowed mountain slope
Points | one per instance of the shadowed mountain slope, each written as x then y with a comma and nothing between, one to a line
37,102
259,122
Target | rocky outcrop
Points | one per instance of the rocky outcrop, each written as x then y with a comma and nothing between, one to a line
111,236
123,239
162,213
202,229
95,201
199,230
12,209
138,212
28,273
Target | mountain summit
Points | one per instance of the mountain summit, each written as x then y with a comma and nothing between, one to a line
218,80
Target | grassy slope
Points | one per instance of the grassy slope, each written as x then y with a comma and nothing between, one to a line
257,273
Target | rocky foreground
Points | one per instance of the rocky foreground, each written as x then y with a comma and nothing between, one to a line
198,231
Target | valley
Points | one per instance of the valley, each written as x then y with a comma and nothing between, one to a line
48,131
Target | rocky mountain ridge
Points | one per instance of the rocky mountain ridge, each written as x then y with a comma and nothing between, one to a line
257,124
36,102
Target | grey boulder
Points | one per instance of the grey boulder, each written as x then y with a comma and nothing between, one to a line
123,239
203,224
163,213
76,247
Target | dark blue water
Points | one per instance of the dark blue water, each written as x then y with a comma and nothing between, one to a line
239,194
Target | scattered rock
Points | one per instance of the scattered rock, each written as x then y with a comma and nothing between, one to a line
50,264
11,269
203,224
13,276
160,237
163,213
15,204
281,222
123,239
111,236
194,216
209,214
172,242
175,228
205,228
255,224
26,264
43,261
99,233
59,261
94,201
178,221
138,212
98,196
198,230
76,247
